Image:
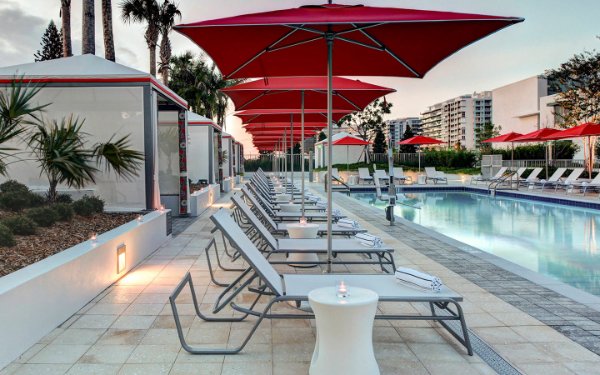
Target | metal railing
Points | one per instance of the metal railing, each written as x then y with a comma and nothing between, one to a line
557,163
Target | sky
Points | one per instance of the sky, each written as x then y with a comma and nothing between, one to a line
553,31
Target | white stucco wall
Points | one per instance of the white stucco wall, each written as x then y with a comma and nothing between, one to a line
516,107
354,154
199,152
107,111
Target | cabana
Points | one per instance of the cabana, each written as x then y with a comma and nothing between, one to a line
347,149
226,161
203,169
113,99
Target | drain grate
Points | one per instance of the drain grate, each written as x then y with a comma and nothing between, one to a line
483,350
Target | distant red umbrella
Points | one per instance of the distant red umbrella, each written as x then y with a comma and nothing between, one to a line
420,140
537,136
508,137
504,138
350,141
585,131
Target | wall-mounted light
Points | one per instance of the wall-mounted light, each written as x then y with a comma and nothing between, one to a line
140,218
121,258
94,238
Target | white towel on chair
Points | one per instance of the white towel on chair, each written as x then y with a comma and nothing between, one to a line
418,278
369,240
347,223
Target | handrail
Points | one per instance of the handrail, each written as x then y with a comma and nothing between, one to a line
504,178
345,190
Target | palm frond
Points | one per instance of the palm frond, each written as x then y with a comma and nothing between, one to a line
119,156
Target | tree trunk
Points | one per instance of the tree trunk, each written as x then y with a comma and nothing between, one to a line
65,13
52,190
88,35
165,57
152,49
109,43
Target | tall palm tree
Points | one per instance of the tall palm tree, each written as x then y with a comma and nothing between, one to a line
200,84
144,11
168,13
109,42
88,33
65,14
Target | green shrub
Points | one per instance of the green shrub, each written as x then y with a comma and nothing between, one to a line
64,211
36,200
64,198
6,237
20,224
15,201
13,186
87,206
43,216
83,207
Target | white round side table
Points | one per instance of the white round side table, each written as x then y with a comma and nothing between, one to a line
306,230
344,332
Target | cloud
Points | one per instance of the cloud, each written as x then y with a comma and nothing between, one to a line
20,34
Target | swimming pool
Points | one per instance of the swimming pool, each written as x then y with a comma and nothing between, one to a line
554,240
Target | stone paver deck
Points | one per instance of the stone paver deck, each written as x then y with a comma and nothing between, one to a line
129,328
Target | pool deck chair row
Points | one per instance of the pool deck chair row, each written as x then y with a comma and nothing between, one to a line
263,280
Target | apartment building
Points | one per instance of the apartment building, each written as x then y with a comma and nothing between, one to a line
397,127
455,121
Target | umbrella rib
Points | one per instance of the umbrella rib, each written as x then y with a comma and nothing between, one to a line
378,48
299,43
348,100
397,58
254,99
284,37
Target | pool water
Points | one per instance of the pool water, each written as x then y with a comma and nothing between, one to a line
555,240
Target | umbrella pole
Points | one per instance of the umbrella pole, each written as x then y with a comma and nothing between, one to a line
285,165
292,152
302,145
347,162
329,37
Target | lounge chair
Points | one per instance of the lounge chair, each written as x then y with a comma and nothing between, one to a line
381,196
553,179
532,178
271,245
363,175
435,176
498,175
400,176
587,184
294,288
281,228
569,180
295,216
380,174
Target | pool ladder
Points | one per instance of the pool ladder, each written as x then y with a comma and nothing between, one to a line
507,178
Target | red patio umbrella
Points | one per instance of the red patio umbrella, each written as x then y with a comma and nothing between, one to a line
586,131
284,92
368,41
419,140
285,114
350,141
539,136
508,137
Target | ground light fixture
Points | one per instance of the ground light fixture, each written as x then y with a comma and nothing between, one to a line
121,258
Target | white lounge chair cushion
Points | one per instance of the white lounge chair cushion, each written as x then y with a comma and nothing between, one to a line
386,286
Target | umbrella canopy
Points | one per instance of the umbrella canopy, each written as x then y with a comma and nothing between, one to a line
508,137
420,140
369,40
589,129
350,141
289,115
536,136
283,92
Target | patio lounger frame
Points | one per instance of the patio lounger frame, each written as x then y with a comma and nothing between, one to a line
294,288
432,174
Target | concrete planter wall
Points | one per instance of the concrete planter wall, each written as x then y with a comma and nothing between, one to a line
228,184
36,299
202,199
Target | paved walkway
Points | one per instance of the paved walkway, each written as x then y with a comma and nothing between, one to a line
129,329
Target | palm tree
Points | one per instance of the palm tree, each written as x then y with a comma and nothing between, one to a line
65,14
60,150
168,13
144,11
200,84
88,33
109,43
16,112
